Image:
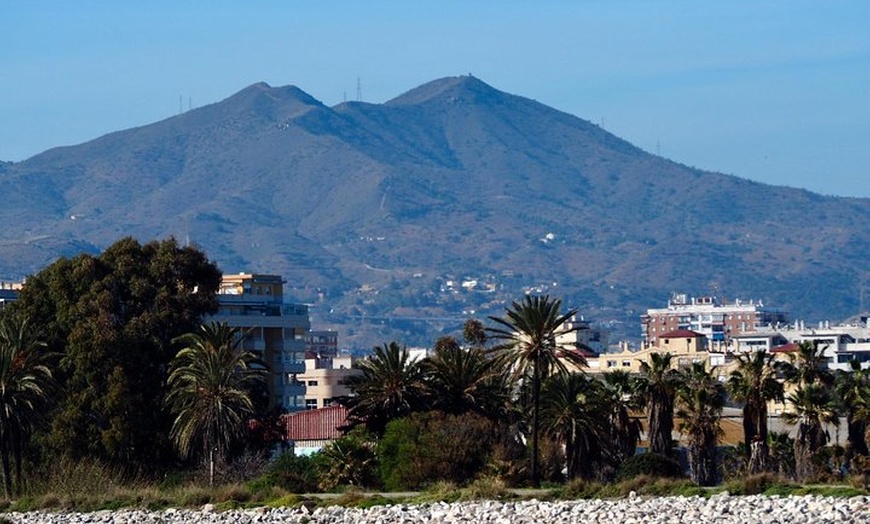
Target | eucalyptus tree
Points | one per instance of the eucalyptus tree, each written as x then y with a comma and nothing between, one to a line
527,341
574,415
656,387
853,394
25,383
111,320
754,383
211,385
700,400
390,385
811,407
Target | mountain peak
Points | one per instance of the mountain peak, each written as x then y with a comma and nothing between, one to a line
453,88
263,91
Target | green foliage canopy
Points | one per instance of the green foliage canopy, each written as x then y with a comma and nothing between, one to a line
112,319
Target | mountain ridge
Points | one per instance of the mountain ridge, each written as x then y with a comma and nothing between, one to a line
368,209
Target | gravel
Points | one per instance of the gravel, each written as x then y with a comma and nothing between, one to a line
719,509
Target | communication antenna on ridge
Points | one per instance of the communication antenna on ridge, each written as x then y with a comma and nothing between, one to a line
358,89
180,104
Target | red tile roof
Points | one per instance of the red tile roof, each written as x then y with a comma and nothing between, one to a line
785,348
315,424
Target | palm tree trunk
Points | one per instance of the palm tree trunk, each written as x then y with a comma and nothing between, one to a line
857,441
536,402
19,454
7,470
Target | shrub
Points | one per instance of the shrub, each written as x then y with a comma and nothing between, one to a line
486,488
348,461
432,446
766,483
290,473
651,464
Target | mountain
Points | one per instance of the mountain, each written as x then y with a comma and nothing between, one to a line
377,213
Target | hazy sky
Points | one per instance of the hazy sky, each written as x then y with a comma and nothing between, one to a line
774,91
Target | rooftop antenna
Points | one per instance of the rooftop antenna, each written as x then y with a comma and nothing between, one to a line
358,89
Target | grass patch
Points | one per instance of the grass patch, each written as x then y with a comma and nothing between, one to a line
830,491
761,483
486,488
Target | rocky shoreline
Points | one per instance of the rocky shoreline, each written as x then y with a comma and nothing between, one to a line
720,509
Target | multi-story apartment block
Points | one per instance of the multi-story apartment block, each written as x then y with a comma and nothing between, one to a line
324,344
275,330
324,379
841,343
716,320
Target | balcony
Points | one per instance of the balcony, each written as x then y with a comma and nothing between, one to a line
294,389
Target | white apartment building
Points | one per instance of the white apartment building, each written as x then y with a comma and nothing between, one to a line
716,320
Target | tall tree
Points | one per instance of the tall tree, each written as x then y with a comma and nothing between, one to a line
754,383
623,428
811,407
574,414
211,384
25,381
389,386
853,393
112,320
657,388
527,341
474,333
459,381
700,400
809,365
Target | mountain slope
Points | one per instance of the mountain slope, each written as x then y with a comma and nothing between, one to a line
369,210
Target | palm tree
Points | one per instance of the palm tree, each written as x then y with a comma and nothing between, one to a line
529,346
624,429
853,393
811,407
809,365
700,400
460,381
657,388
754,383
25,381
573,413
211,381
389,386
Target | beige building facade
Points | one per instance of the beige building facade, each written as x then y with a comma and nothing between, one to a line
274,330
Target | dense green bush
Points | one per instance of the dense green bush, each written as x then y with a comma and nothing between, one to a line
349,461
424,448
652,464
289,472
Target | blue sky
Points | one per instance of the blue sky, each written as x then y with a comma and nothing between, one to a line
774,91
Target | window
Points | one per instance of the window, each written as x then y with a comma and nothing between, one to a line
626,363
310,403
312,383
611,363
